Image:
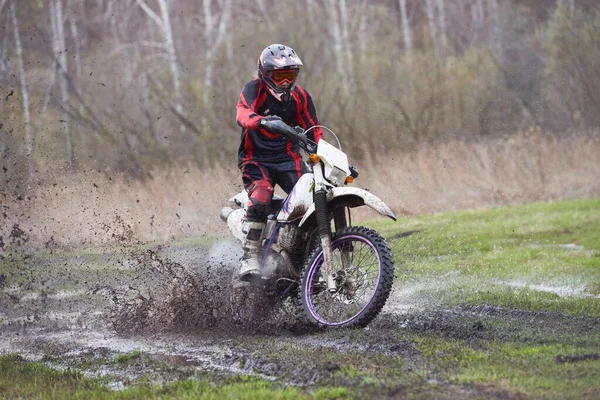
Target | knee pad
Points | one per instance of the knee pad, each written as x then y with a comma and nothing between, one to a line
259,200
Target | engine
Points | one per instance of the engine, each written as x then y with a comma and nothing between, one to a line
293,241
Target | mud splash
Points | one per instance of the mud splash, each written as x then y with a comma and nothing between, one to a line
196,293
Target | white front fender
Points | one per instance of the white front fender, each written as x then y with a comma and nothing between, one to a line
355,197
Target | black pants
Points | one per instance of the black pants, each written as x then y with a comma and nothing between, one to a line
254,174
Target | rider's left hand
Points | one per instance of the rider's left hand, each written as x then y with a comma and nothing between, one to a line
302,138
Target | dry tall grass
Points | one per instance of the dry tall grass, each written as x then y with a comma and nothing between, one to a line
455,175
93,209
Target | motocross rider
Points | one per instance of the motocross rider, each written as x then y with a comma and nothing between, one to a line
266,158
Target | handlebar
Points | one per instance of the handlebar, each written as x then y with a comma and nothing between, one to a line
296,133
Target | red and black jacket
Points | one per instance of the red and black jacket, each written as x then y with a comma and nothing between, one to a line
259,145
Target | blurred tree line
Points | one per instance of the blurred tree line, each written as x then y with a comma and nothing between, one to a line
134,85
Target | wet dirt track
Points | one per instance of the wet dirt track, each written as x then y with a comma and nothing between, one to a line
165,313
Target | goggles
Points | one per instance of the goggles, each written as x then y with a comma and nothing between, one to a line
280,76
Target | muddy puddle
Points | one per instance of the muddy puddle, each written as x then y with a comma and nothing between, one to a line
158,313
162,313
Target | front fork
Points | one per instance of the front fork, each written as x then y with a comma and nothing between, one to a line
324,231
347,281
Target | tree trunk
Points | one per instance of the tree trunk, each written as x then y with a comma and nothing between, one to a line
208,28
442,18
338,43
29,135
406,32
495,17
2,4
164,23
346,41
60,57
310,6
213,39
168,33
362,35
480,10
429,10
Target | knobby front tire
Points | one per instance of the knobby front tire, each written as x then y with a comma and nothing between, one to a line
364,273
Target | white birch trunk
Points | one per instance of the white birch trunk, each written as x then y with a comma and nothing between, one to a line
164,23
2,4
310,6
362,34
75,34
479,13
168,33
346,42
429,10
29,136
61,57
214,37
495,16
54,61
442,18
571,7
406,32
475,15
3,51
338,45
208,28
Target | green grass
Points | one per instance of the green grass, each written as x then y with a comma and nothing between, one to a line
127,358
536,257
32,380
540,263
523,369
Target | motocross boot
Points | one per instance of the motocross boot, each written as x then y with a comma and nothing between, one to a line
250,265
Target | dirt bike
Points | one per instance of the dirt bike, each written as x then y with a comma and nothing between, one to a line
341,279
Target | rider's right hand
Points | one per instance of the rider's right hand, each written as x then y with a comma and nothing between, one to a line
264,121
274,124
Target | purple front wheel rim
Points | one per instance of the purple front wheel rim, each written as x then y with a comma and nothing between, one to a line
315,266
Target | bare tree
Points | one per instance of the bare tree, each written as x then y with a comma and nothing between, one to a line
495,17
430,11
60,57
442,18
406,30
345,27
570,5
215,30
29,135
338,44
2,4
4,67
164,23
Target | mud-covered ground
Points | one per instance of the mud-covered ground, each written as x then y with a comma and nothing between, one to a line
139,313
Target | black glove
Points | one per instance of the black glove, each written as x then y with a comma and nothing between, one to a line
302,138
300,135
274,124
304,141
265,120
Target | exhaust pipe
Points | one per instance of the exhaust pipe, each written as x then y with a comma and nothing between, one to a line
225,212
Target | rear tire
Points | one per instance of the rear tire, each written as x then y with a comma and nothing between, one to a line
363,284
